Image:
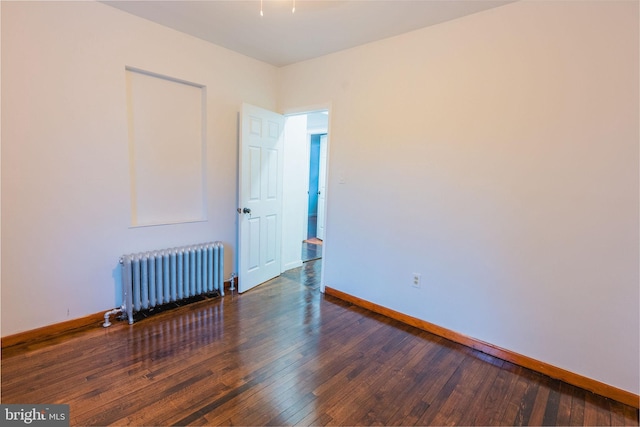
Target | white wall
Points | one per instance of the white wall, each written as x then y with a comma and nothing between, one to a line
497,155
65,166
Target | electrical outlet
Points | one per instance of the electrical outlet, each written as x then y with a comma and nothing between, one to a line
416,280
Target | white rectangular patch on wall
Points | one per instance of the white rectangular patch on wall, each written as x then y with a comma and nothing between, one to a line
167,131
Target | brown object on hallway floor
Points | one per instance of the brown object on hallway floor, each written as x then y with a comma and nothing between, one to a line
284,354
313,241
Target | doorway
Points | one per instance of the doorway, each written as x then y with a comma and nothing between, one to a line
276,239
306,142
312,245
317,128
317,184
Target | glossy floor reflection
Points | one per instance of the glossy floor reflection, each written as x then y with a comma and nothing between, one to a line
307,275
311,251
285,354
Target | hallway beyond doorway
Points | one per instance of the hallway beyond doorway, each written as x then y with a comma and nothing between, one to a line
311,251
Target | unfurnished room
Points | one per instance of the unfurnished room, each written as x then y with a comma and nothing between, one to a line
335,212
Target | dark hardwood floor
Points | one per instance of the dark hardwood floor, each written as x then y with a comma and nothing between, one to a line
284,354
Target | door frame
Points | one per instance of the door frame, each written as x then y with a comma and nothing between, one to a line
322,185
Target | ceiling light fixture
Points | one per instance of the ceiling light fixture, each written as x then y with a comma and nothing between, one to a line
293,7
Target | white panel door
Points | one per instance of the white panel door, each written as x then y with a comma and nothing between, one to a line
322,186
260,196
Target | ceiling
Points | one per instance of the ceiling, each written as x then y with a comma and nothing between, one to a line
318,27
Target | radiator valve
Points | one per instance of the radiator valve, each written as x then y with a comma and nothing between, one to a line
106,323
232,281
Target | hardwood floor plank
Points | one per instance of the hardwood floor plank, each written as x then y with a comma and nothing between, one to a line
494,403
437,400
294,408
322,420
617,416
525,409
468,411
551,411
168,408
577,408
374,392
247,399
539,405
358,376
388,398
474,384
564,405
284,354
630,415
410,403
248,387
591,411
153,381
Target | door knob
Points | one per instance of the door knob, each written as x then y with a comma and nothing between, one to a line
246,210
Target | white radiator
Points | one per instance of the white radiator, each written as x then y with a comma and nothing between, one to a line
151,279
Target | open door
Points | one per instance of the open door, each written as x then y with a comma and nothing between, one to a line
322,187
260,165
